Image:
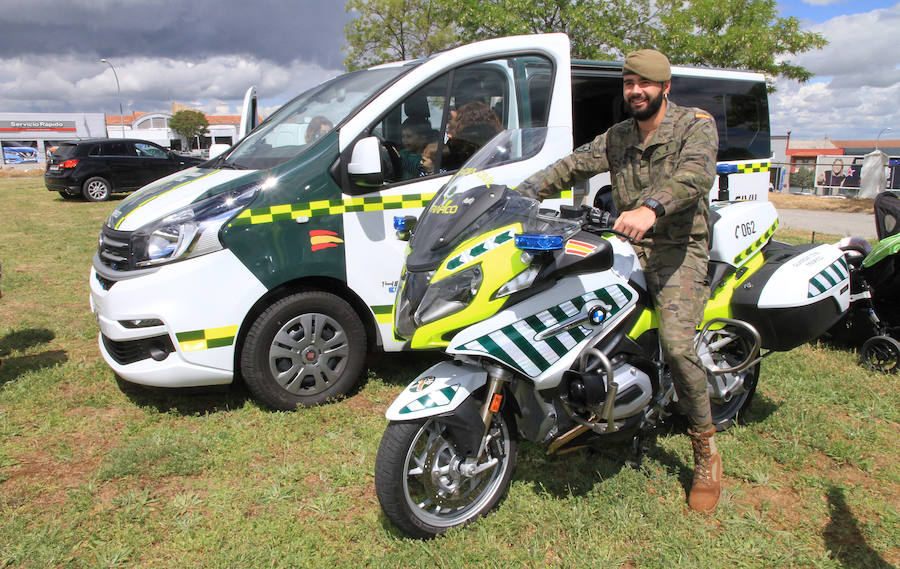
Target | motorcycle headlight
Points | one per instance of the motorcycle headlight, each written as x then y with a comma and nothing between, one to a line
190,231
449,295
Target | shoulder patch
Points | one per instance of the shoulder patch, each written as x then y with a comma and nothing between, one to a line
702,115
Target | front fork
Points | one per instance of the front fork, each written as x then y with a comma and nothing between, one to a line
497,378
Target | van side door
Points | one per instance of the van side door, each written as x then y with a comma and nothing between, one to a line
402,147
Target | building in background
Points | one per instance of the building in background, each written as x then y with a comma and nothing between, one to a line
40,131
26,137
830,167
154,127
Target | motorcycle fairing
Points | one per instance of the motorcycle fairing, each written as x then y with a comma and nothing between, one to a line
439,389
500,261
542,336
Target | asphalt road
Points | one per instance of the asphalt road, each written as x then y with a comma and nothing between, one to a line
834,222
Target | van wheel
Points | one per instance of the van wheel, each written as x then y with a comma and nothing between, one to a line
96,189
304,350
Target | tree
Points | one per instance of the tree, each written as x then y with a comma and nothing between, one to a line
391,30
187,124
741,34
804,178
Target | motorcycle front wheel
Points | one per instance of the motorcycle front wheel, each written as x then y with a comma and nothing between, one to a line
420,476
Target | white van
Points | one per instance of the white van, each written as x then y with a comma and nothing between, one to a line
278,261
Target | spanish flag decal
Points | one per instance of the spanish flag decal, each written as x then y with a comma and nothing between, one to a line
579,248
702,116
323,239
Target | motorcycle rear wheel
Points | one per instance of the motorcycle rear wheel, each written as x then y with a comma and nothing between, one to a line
420,486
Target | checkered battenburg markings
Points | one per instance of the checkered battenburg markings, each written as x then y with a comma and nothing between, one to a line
516,345
287,212
756,244
439,398
480,249
197,340
753,167
835,273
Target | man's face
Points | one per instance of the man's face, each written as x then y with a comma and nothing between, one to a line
643,97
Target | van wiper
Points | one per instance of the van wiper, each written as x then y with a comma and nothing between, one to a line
232,166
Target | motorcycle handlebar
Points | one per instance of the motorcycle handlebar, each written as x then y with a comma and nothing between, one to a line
601,221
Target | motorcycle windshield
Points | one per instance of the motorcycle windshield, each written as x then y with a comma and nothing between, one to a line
480,197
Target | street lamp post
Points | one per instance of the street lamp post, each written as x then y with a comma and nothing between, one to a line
877,138
118,94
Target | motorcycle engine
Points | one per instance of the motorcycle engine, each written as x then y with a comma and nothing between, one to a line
587,392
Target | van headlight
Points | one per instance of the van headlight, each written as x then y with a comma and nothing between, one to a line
449,295
190,231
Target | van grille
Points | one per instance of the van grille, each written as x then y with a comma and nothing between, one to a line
115,249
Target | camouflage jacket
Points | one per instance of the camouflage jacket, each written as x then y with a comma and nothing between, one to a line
677,168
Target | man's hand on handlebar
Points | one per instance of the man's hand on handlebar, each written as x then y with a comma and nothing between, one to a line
635,223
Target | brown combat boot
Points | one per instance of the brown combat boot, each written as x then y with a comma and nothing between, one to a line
707,484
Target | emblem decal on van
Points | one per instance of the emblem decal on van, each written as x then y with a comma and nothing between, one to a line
323,239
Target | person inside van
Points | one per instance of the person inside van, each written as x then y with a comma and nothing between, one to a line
318,127
416,135
429,159
474,124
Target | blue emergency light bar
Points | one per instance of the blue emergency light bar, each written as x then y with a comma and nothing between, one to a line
726,169
403,222
538,242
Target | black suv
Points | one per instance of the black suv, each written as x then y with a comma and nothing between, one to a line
96,168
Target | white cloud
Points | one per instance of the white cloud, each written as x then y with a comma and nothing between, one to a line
70,83
861,97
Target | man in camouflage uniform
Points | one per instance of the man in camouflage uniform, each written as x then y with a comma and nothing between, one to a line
662,164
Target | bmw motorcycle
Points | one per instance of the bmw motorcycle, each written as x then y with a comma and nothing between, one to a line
551,335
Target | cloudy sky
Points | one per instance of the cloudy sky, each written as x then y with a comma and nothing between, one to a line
205,53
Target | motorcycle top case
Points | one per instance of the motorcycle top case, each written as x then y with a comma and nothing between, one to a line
796,296
740,229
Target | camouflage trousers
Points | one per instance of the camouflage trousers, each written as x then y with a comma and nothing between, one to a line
676,283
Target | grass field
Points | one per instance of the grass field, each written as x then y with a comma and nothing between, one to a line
97,473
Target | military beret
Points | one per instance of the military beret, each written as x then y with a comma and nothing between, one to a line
649,64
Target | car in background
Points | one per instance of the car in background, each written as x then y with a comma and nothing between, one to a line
95,169
19,154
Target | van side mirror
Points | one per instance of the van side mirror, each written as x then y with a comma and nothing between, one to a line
365,163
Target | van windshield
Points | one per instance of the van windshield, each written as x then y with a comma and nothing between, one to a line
298,124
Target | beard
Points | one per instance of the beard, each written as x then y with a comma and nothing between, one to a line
653,105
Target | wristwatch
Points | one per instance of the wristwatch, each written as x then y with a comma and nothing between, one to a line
657,207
